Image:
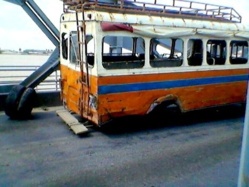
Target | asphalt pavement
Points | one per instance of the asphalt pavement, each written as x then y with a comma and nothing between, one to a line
200,148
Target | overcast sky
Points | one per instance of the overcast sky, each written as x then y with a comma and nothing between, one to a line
17,30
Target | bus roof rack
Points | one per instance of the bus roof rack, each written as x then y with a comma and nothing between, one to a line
169,8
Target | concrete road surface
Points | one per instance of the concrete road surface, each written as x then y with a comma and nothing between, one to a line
201,148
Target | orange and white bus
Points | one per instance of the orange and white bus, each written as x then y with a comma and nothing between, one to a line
127,57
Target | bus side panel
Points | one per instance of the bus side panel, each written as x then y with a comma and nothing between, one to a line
70,91
212,95
133,95
191,98
89,106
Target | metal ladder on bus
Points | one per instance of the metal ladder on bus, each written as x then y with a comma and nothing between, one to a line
73,123
82,47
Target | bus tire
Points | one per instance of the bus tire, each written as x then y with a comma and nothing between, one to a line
12,101
26,103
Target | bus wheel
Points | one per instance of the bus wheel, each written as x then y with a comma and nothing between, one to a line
12,101
26,103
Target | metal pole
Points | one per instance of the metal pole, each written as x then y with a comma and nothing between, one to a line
44,18
243,180
51,65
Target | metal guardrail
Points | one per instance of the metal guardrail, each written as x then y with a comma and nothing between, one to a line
14,75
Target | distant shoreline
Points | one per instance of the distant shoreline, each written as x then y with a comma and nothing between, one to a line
37,54
26,52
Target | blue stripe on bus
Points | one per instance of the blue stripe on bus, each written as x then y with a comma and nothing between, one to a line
132,87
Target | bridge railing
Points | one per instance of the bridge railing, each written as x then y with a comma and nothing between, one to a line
14,75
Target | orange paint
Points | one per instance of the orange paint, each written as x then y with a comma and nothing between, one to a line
112,105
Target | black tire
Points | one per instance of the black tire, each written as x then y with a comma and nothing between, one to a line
12,101
26,103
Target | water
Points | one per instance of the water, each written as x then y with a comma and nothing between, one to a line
19,60
14,68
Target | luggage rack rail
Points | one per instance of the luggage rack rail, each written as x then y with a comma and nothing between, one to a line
171,8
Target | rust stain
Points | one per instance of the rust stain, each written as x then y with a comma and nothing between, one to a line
99,17
139,102
112,17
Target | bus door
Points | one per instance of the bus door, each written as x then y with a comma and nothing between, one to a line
75,75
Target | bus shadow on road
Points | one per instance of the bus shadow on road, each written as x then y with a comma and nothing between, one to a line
171,118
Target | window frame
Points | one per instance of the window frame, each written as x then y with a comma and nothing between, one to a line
123,58
218,52
158,59
195,58
238,60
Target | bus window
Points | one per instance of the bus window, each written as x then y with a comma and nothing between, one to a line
239,52
64,44
216,52
123,52
74,48
90,49
166,52
195,52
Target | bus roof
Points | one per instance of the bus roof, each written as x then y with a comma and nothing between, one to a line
174,32
158,26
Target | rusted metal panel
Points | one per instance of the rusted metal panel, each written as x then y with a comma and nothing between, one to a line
74,92
133,95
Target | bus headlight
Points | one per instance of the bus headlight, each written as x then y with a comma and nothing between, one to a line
93,102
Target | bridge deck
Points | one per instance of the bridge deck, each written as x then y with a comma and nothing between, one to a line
43,152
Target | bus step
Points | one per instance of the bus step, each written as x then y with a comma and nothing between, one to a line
72,122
